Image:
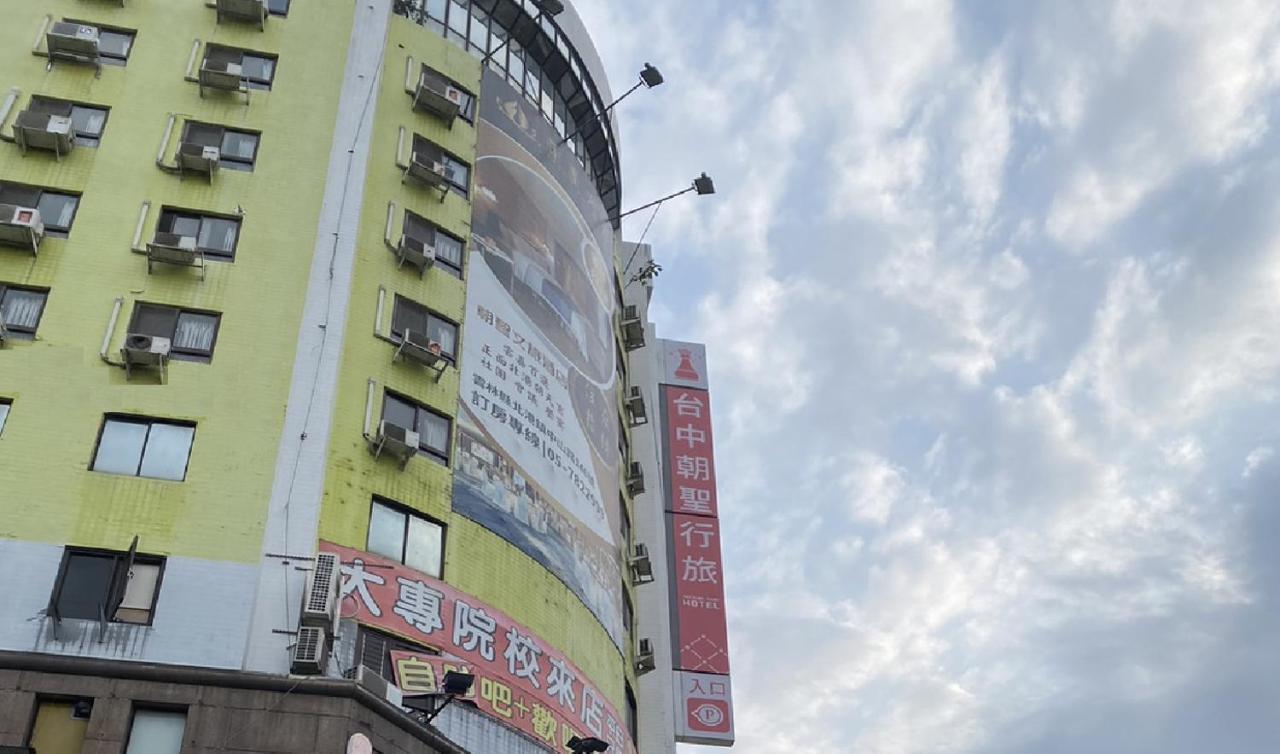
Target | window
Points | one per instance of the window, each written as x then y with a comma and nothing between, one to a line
58,729
114,43
457,173
257,70
138,446
216,236
239,148
88,121
278,7
191,333
4,412
156,731
409,315
411,538
438,81
632,717
57,209
20,309
376,647
448,249
105,585
628,613
433,429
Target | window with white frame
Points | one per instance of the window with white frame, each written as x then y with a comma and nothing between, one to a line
406,536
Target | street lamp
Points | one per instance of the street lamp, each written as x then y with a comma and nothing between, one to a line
702,184
455,684
649,78
545,8
585,745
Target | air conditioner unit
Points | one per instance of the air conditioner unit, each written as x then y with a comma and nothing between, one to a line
34,130
252,11
175,241
641,565
170,248
417,346
427,170
416,252
310,651
145,351
21,226
68,41
436,96
644,657
320,598
198,158
632,328
635,478
635,406
220,74
396,441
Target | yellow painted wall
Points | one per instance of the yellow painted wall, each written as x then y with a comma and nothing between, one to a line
60,387
476,560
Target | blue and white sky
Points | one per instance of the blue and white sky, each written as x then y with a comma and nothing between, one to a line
992,297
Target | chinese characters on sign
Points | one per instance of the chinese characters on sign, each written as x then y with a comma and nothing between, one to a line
519,680
705,711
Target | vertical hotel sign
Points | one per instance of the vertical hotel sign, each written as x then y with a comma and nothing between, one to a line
699,632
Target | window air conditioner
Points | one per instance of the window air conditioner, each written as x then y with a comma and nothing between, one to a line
252,11
398,442
170,248
21,226
68,41
220,74
641,565
310,652
198,158
632,328
635,406
427,170
635,478
644,657
34,130
417,346
145,351
320,598
416,252
434,95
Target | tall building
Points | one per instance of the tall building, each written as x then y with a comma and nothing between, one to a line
316,432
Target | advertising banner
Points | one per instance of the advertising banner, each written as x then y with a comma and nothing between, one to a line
705,708
537,452
520,681
702,633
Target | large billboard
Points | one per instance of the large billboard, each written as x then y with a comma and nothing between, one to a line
520,680
538,451
700,637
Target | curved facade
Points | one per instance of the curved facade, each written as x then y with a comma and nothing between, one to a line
311,296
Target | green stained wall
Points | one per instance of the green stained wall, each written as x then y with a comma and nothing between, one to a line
59,386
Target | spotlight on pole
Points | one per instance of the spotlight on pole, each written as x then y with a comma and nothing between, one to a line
649,78
585,745
702,184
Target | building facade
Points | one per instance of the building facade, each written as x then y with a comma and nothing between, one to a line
313,382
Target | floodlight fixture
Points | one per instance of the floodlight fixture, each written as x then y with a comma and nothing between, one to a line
649,78
702,184
454,685
586,745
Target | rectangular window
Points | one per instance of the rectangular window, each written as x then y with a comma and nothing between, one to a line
215,235
191,333
457,173
114,43
257,69
404,535
239,149
434,429
409,315
138,446
628,613
376,647
106,585
438,81
5,403
57,728
21,309
57,208
633,726
156,731
88,121
278,7
448,248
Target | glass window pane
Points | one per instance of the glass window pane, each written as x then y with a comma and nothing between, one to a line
4,415
203,134
168,448
156,732
279,7
114,44
399,412
257,67
88,121
154,320
408,316
21,309
479,30
422,551
239,145
416,227
449,249
435,9
84,586
57,210
386,532
458,18
120,447
195,332
444,333
433,432
217,234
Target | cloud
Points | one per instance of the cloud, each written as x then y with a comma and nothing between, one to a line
990,294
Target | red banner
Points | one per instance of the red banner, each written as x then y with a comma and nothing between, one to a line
690,462
702,631
522,677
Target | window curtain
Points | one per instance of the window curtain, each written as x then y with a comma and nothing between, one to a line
442,333
21,309
195,332
434,431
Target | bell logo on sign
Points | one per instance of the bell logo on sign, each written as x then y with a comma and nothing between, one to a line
710,715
